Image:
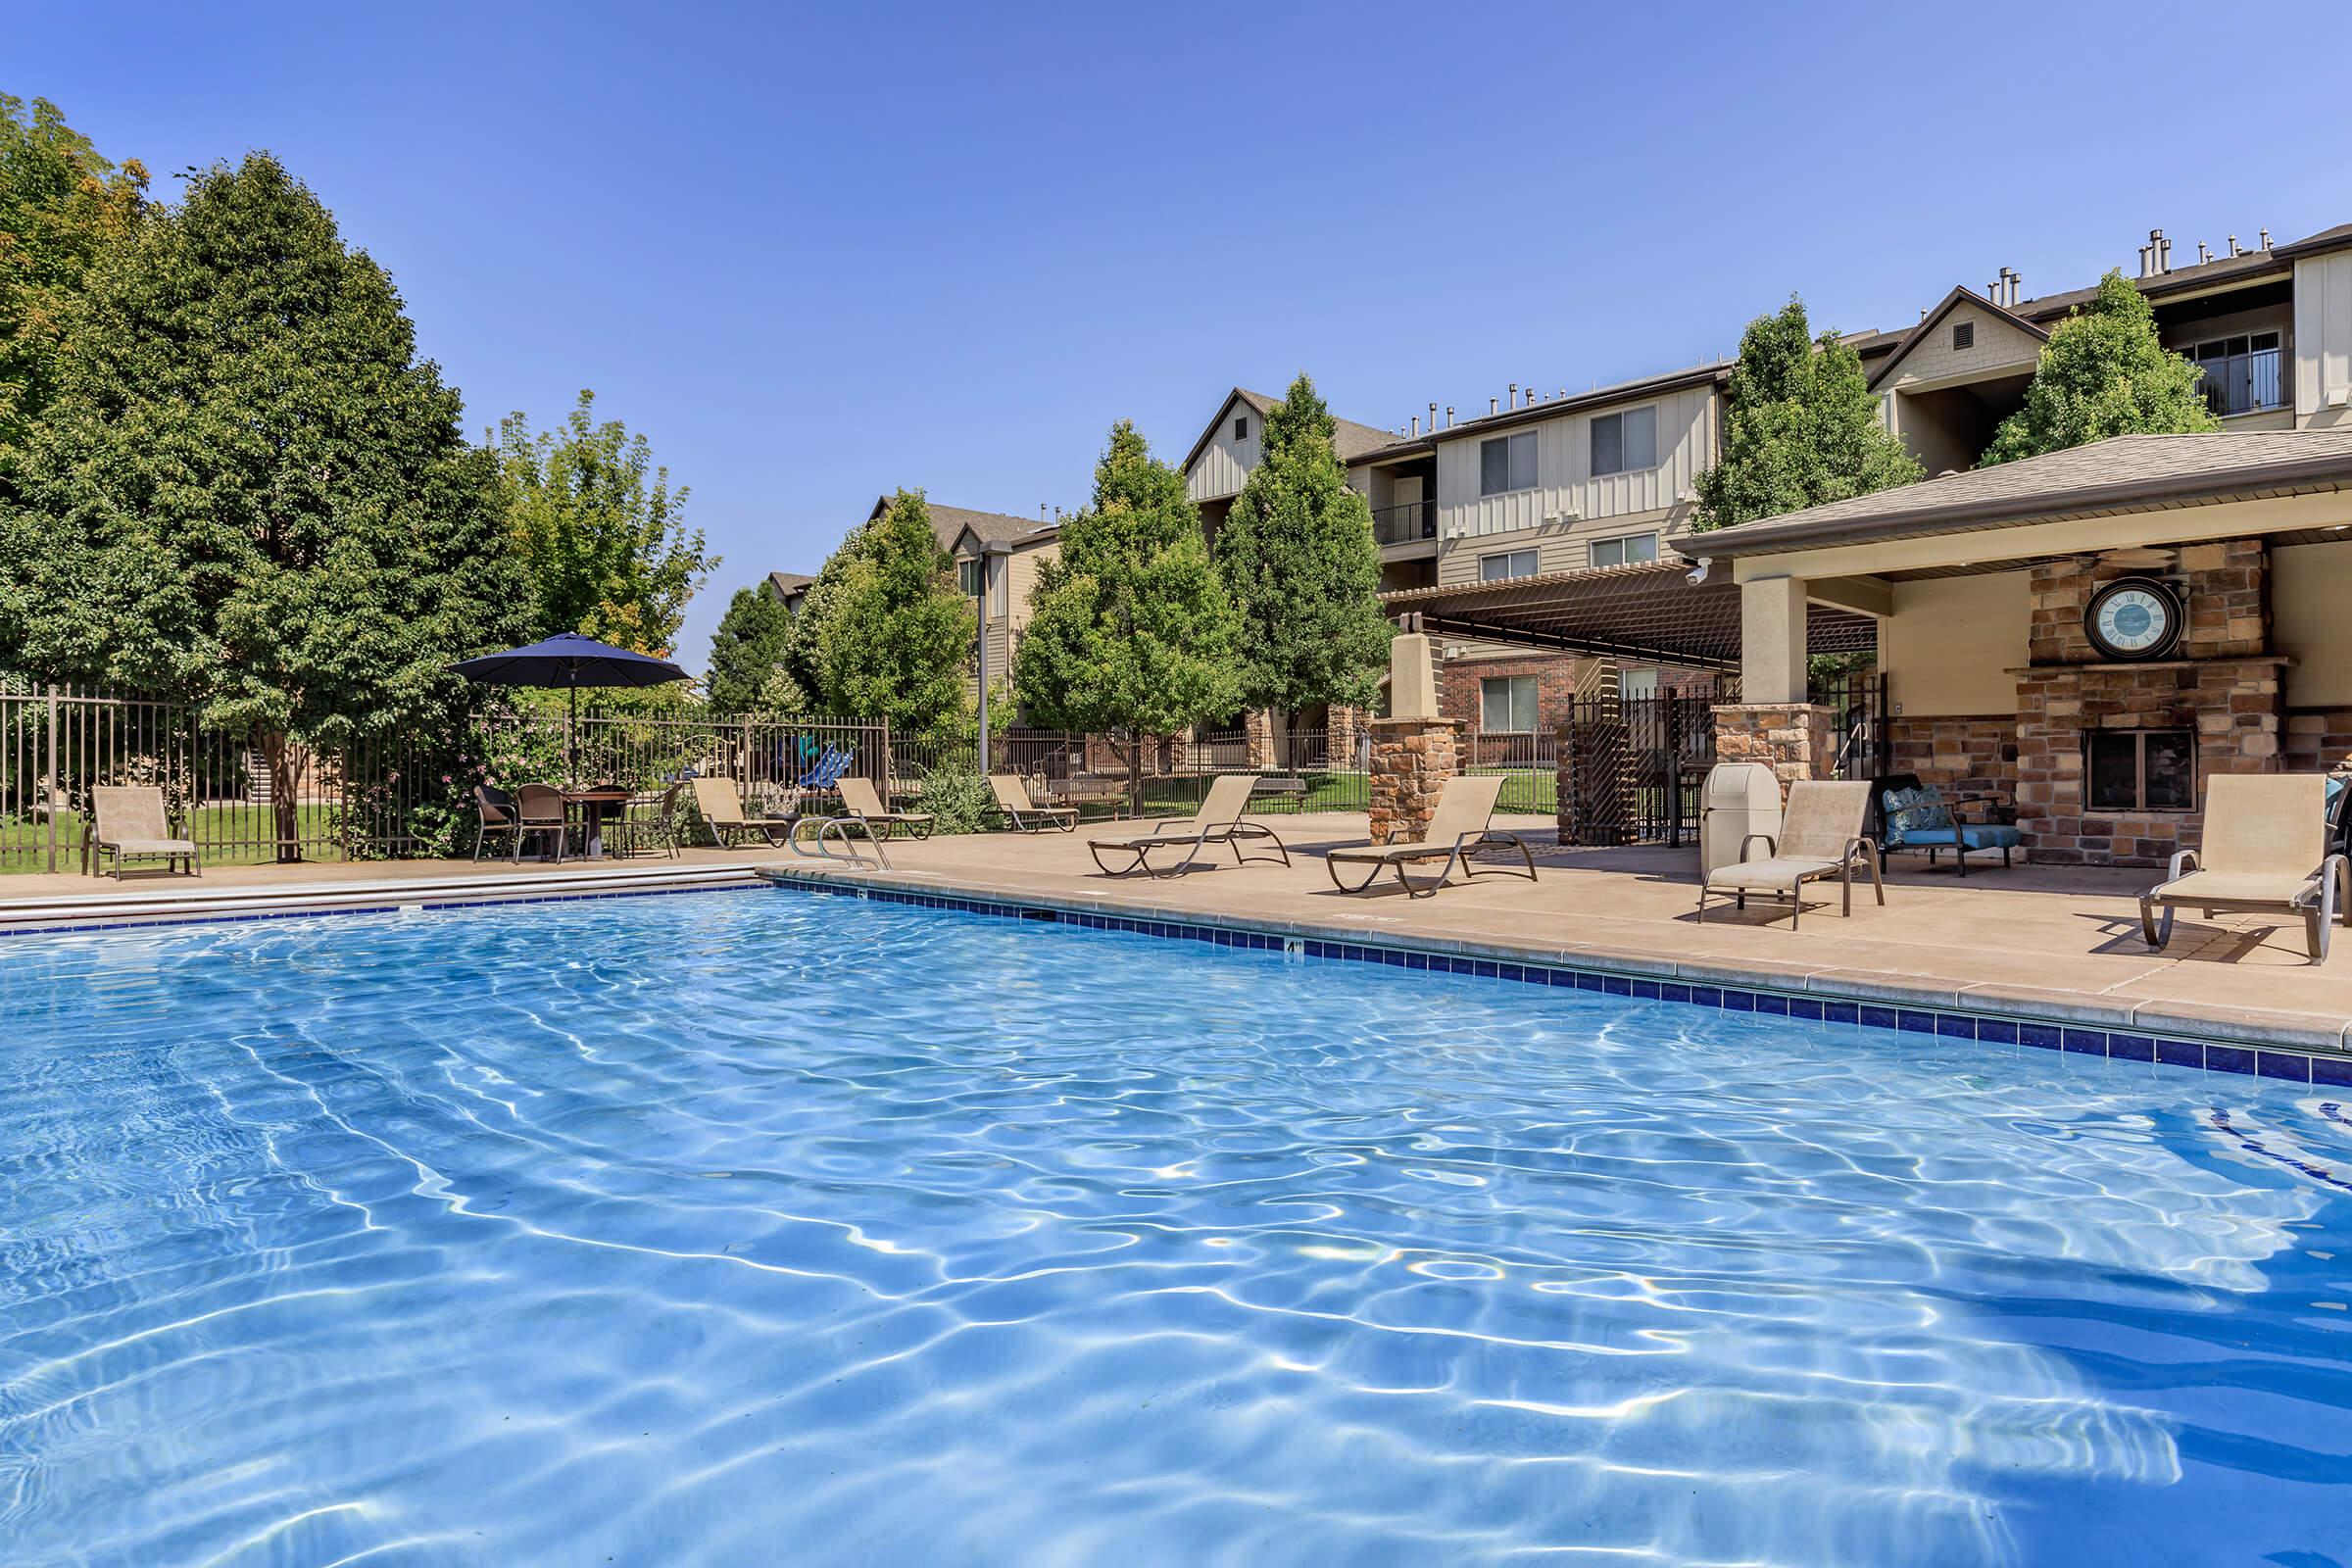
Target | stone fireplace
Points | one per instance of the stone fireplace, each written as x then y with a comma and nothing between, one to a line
2112,757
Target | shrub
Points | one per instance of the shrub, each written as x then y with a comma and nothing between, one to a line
958,799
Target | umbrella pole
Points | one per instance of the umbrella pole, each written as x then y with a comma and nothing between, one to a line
571,738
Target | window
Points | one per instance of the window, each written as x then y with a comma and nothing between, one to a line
971,577
2139,771
1627,442
1240,428
2241,373
1506,463
1625,550
1637,685
1964,334
1506,566
1506,702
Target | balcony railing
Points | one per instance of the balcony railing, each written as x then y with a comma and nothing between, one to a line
2242,383
1401,525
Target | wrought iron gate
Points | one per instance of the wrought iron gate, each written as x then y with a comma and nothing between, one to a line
1633,767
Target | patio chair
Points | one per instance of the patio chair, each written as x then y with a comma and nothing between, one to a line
1821,837
1458,829
2267,851
1916,816
128,823
722,814
1026,816
493,813
1218,821
650,815
539,812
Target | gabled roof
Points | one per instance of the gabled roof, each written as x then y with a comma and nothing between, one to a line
1349,439
991,529
786,584
1927,324
2121,475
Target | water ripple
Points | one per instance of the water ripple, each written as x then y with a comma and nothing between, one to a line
736,1229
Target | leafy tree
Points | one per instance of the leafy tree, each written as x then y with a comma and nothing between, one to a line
1800,429
747,657
603,535
60,205
249,492
883,632
2103,373
1298,561
1130,632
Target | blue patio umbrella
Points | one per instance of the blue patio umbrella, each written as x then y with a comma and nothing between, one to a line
570,661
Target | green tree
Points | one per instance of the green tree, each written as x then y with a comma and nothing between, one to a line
1800,428
883,632
603,535
1130,633
2104,371
747,657
61,205
249,492
1298,561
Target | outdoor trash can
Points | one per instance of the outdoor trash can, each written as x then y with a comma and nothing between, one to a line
1737,800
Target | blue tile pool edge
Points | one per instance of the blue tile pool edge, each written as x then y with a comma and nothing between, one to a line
2282,1062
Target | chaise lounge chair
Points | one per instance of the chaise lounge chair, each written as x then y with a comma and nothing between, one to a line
1458,830
127,822
2267,851
1218,821
1821,837
722,813
1014,805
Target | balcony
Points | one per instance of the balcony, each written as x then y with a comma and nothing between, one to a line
2243,374
1407,524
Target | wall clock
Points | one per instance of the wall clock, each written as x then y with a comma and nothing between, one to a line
2134,617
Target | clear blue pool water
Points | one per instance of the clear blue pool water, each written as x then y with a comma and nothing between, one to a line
768,1227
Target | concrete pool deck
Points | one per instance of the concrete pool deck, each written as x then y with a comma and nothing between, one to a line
2054,943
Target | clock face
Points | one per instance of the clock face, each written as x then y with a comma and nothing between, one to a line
2133,619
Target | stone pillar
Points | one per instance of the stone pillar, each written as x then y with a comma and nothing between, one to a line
1411,761
1771,641
1797,740
1259,728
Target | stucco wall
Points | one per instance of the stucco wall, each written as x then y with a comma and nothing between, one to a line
2311,621
1951,643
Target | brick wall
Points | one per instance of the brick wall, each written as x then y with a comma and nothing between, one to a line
2316,739
1963,757
1555,687
2219,684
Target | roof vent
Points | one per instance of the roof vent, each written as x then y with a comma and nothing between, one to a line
2204,253
2235,249
1492,403
2156,255
2266,239
1449,415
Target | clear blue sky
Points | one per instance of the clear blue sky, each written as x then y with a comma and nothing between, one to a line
817,252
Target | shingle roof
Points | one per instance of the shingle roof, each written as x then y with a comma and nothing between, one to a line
788,584
1349,439
989,527
1927,324
2122,473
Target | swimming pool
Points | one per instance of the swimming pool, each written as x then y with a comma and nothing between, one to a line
772,1227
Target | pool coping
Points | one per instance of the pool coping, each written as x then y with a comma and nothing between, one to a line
189,904
2077,1023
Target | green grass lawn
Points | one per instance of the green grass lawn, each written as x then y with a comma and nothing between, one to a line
25,841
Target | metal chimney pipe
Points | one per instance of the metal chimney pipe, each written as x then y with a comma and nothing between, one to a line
2234,248
1433,419
1449,415
1490,402
1412,426
2266,239
2164,253
1514,394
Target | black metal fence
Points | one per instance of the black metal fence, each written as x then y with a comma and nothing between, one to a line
1635,767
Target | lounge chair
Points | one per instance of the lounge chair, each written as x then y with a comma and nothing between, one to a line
1821,837
863,812
2267,851
128,821
1218,821
1458,830
721,811
1913,815
1014,805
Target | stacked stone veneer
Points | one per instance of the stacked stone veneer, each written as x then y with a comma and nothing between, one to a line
1797,740
1411,761
2222,683
1972,758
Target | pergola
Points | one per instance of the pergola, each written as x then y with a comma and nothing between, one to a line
1652,612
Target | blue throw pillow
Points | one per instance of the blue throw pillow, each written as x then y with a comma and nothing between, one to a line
1919,810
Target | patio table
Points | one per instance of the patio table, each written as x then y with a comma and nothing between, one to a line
595,804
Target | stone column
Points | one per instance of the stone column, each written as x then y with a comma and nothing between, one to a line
1259,728
1796,740
1411,761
